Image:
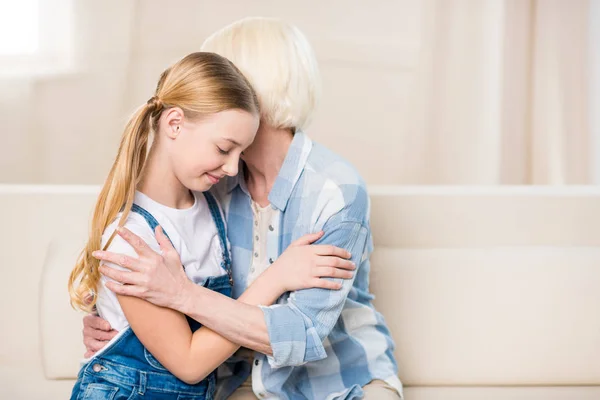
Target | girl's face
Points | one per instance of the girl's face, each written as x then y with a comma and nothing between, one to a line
203,151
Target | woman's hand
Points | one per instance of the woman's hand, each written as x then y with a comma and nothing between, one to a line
304,266
159,279
96,334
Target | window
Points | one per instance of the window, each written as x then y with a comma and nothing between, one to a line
18,27
35,37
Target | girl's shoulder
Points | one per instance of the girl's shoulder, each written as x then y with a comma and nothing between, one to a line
211,200
135,223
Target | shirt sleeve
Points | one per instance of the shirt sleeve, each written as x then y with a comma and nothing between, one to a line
119,246
297,329
108,305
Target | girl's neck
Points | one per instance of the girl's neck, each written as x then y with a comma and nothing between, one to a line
160,183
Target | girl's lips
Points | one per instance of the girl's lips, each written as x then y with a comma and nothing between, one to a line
214,180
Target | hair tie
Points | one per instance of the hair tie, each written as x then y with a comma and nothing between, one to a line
155,104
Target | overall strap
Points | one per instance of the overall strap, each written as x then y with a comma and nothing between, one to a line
215,211
149,219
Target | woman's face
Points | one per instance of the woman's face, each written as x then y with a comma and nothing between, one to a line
204,151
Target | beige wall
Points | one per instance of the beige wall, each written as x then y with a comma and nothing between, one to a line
415,91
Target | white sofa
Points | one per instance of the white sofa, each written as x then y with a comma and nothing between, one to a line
491,293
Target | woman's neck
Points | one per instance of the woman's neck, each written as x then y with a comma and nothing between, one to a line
160,184
264,159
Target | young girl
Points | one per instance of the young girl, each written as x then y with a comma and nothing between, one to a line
203,115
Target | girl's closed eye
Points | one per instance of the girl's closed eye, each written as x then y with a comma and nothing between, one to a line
224,152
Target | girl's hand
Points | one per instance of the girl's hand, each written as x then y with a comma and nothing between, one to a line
304,266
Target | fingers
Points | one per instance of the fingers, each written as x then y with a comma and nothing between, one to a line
124,277
138,244
97,332
336,262
307,239
95,322
125,290
327,284
92,345
329,250
332,272
119,259
169,257
98,335
163,240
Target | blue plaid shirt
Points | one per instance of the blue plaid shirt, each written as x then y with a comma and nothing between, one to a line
326,344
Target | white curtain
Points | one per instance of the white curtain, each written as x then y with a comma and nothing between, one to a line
594,68
460,92
560,135
62,110
502,94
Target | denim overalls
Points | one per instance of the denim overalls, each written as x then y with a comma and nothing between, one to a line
126,370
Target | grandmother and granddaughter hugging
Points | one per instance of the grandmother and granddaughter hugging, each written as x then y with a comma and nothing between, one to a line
228,255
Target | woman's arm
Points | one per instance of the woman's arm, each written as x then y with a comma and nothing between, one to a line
245,324
191,357
167,335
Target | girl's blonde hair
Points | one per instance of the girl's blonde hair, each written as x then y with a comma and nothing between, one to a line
200,84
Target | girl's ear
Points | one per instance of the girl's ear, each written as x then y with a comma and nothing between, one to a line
173,120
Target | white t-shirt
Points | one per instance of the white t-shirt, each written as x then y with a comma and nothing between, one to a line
192,232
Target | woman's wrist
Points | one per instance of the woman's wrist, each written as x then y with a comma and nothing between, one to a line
185,298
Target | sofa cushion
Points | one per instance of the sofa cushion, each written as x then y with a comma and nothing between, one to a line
492,316
502,393
60,326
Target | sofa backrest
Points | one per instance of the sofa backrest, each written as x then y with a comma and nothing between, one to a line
484,286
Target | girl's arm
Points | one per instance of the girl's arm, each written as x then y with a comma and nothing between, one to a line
167,335
192,357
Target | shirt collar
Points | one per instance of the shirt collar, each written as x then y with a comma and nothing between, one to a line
290,171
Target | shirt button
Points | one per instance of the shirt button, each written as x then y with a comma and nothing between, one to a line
255,254
255,223
97,367
256,237
270,261
271,228
256,362
252,269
